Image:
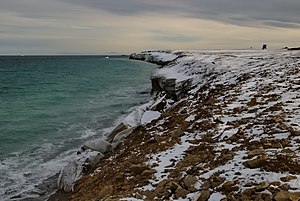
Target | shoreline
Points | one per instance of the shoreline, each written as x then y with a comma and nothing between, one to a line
133,120
208,103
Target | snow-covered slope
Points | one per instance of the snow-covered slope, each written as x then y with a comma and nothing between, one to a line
233,134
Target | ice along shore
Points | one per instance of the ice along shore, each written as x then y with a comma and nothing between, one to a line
221,125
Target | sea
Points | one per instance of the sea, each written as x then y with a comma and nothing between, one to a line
51,105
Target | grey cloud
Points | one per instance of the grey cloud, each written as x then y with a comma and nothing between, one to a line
282,24
239,12
175,38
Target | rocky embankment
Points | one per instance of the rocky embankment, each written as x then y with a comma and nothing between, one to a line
222,125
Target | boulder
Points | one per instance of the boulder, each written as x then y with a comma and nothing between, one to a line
138,169
122,135
99,145
257,162
120,127
174,89
180,192
74,169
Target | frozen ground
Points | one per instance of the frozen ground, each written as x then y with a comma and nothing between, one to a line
235,136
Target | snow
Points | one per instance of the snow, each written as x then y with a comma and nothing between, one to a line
149,116
170,73
265,69
166,160
263,74
190,118
216,197
163,56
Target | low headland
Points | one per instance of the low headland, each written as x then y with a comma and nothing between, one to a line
221,125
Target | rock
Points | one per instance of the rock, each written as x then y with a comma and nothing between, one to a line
99,145
163,189
148,172
216,181
257,162
248,192
276,145
159,105
175,90
138,169
178,133
189,182
256,152
262,186
116,130
288,178
122,135
252,102
295,132
229,186
287,196
204,196
74,169
210,101
94,160
152,58
180,192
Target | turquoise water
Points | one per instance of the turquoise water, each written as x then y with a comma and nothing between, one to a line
49,106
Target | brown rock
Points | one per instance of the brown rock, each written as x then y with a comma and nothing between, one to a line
256,152
246,197
256,163
163,189
229,186
252,102
295,133
177,133
248,192
210,101
216,181
262,186
180,192
204,196
189,182
288,178
277,145
148,172
206,185
138,169
228,157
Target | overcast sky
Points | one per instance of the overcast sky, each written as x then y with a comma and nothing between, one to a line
125,26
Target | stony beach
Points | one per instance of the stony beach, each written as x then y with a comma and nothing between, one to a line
221,125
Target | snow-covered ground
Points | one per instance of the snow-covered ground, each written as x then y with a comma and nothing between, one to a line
235,135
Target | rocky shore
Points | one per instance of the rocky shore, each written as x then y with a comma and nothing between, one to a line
221,125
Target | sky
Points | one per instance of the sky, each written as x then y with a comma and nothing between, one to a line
126,26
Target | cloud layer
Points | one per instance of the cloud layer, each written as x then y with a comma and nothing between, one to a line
100,26
239,12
